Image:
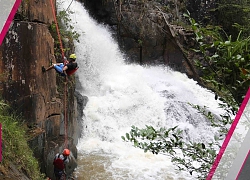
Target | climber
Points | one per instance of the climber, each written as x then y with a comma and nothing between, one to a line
67,68
59,163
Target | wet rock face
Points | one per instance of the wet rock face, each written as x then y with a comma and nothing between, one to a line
143,30
28,45
200,10
136,25
26,48
36,11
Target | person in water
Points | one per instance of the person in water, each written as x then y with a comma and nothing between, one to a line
64,69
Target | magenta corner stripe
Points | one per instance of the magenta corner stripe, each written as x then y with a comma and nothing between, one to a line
228,137
243,164
9,20
1,152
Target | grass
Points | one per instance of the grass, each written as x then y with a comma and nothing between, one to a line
15,147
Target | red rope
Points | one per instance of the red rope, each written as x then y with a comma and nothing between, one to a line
65,85
57,28
65,114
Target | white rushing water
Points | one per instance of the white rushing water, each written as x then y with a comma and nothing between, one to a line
122,95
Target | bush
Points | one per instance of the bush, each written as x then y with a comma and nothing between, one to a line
15,146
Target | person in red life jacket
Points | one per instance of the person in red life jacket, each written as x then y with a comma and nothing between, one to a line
59,163
64,69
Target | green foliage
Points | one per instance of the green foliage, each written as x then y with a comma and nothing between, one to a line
233,12
197,153
67,33
156,141
65,24
222,123
15,147
170,142
225,62
193,157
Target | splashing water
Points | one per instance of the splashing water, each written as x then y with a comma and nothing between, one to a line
122,95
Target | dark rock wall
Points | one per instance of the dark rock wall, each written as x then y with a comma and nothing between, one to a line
143,31
202,10
28,46
147,31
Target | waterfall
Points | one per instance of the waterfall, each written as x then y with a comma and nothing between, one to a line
121,95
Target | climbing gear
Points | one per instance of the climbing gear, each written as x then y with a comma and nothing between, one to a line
72,68
65,113
72,56
69,5
57,28
59,167
65,86
66,152
59,164
72,71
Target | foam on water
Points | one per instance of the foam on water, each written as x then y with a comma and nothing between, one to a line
122,95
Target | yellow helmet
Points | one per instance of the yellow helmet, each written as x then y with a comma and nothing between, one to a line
72,56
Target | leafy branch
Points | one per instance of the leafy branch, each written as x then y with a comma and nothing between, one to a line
67,32
225,62
170,142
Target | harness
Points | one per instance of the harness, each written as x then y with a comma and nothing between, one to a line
59,163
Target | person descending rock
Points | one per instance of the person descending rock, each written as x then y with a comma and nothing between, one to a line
67,68
60,160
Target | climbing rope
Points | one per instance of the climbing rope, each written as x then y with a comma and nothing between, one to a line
65,113
69,5
57,28
65,81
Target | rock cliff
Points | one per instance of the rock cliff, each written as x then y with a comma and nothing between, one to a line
37,96
152,31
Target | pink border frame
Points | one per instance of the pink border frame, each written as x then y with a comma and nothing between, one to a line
1,152
228,137
9,20
243,165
